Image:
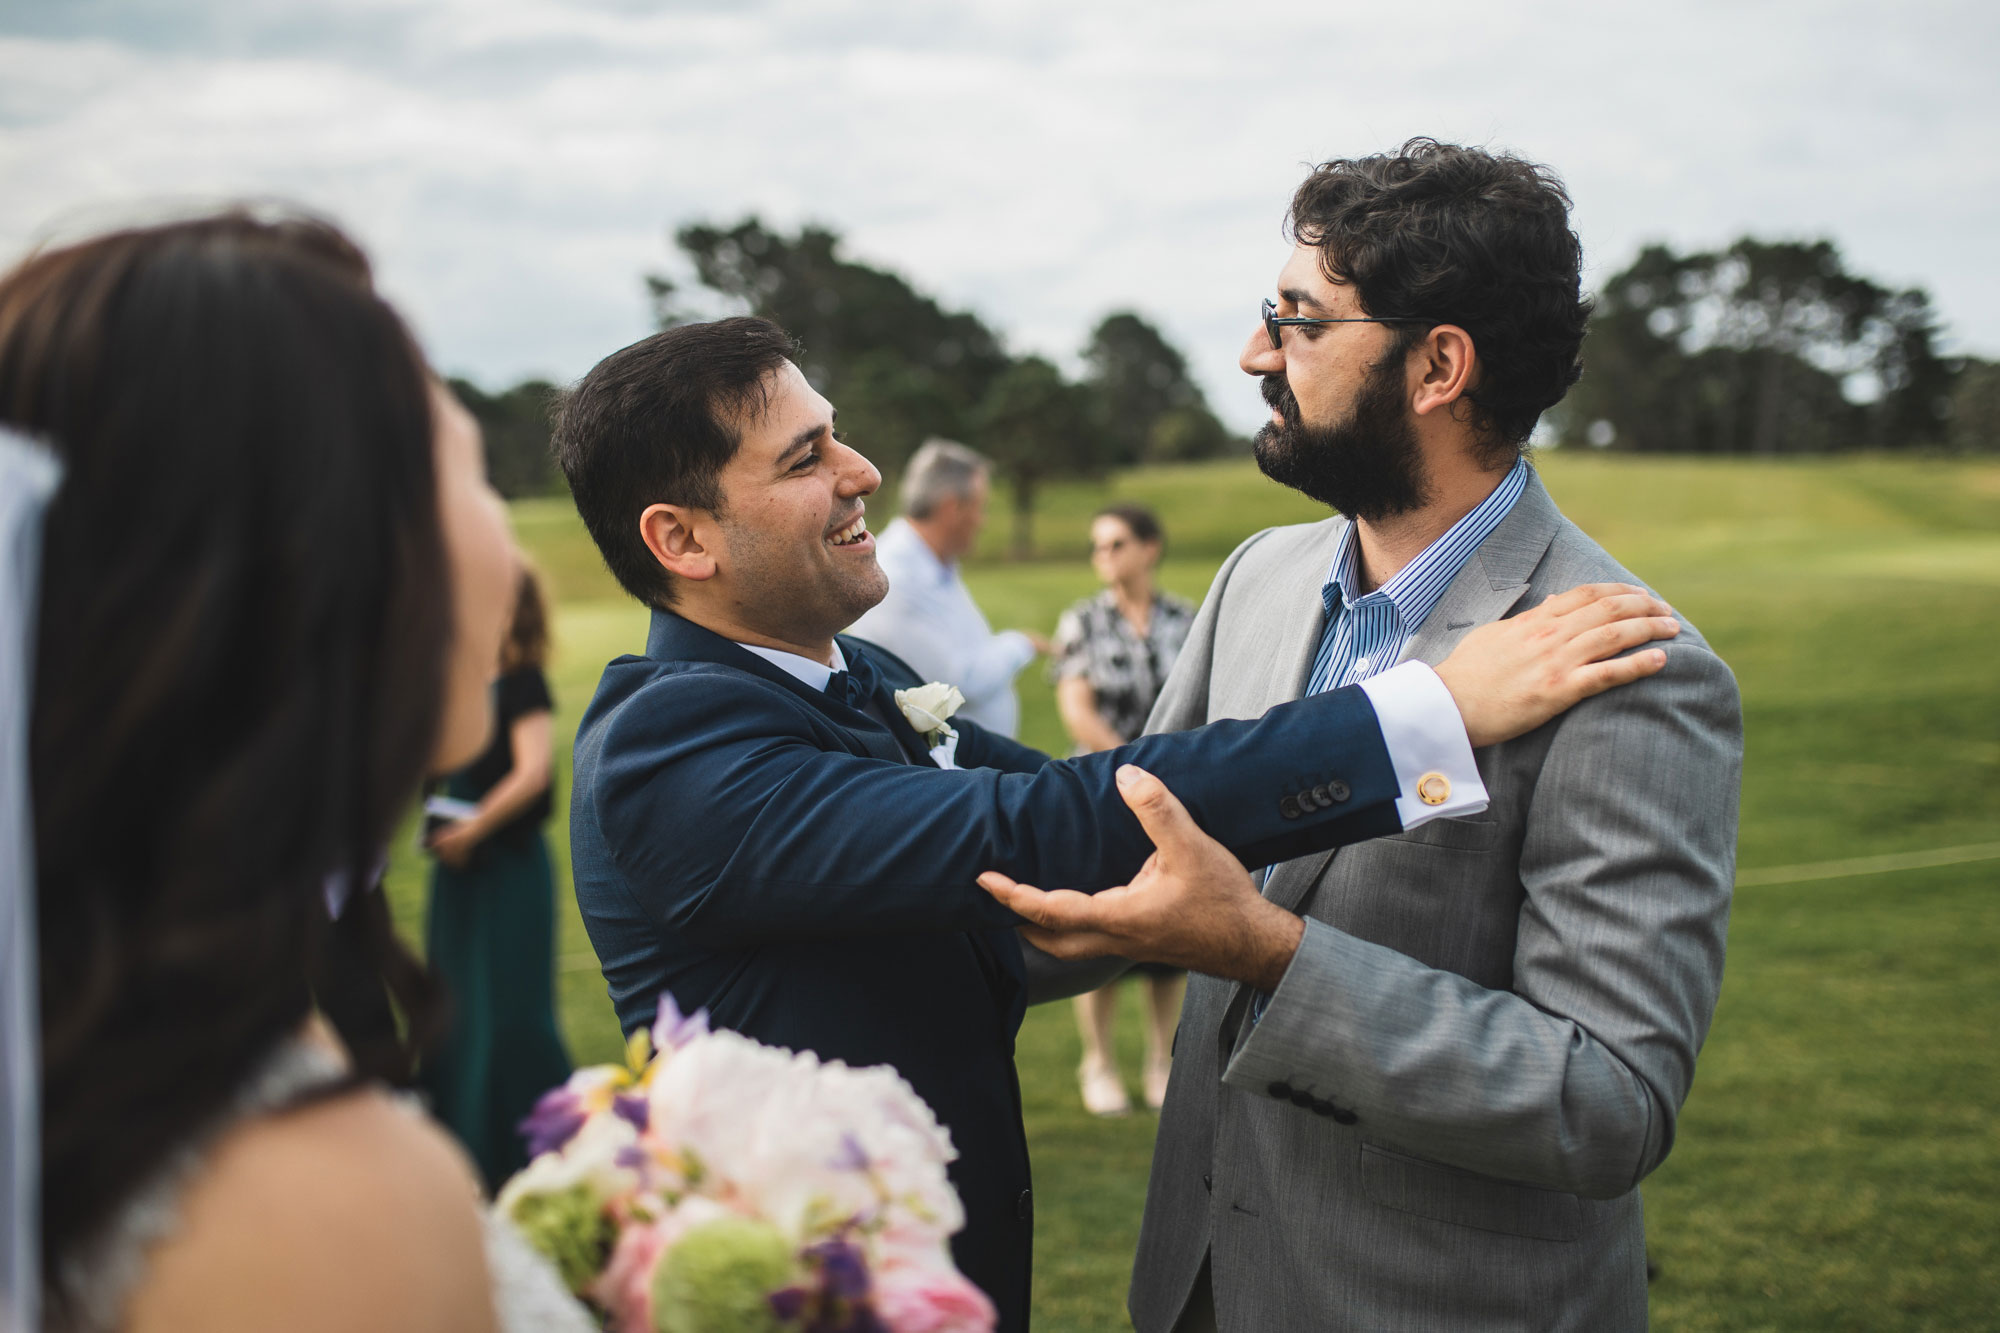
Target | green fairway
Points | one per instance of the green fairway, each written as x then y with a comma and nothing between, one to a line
1839,1158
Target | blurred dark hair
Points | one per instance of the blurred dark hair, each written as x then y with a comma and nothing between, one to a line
240,671
655,424
528,629
1461,236
1141,521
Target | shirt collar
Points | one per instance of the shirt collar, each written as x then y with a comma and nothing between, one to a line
903,533
813,674
1418,585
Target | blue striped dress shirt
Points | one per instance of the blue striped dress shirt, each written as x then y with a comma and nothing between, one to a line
1367,633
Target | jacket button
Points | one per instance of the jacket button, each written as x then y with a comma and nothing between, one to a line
1322,1108
1302,1098
1282,1091
1339,790
1342,1116
1322,796
1289,807
1024,1207
1208,1182
1306,801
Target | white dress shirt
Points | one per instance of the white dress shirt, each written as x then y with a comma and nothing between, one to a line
814,675
930,621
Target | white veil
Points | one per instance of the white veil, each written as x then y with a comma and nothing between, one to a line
28,476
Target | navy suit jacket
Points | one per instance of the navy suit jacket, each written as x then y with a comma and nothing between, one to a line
802,870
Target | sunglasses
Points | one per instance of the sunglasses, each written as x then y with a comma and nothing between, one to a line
1273,324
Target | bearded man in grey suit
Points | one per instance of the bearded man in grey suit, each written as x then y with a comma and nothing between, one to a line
1423,1076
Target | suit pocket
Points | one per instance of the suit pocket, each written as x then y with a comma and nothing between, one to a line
1466,1198
1462,835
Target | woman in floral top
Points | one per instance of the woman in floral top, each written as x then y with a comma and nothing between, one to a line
1113,653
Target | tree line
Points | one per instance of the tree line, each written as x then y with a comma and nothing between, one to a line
1771,348
1758,348
901,369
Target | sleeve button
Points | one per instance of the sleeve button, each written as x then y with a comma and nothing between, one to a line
1342,1116
1302,1098
1280,1090
1339,790
1289,807
1322,796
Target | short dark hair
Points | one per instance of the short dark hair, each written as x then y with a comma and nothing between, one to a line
1140,521
247,686
1467,237
656,423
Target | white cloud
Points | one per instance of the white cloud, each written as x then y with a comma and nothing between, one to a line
515,165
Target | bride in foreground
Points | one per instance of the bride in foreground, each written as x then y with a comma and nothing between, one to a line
274,582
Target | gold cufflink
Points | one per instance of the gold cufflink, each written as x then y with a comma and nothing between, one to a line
1434,789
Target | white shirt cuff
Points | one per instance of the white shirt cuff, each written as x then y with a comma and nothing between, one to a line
1428,747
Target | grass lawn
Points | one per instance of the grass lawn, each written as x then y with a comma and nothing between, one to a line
1839,1159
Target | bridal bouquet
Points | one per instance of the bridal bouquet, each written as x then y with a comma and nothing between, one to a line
717,1185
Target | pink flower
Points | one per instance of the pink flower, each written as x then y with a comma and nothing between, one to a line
922,1299
625,1288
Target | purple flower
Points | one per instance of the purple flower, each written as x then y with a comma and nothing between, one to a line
788,1303
631,1108
852,1156
843,1269
554,1121
673,1030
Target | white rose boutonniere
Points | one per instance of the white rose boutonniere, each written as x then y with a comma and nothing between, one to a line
929,708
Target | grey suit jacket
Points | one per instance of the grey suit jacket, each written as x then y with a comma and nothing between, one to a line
1442,1118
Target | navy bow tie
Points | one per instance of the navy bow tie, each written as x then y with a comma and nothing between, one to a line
855,685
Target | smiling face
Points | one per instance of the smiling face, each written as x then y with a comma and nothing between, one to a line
794,562
1341,429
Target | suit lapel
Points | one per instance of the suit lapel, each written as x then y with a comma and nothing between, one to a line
904,735
1494,579
674,639
1299,614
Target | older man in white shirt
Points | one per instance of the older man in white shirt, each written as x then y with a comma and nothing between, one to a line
929,618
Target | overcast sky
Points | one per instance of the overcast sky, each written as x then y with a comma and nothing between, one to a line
515,166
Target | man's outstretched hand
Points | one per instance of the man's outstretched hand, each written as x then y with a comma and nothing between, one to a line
1192,904
1511,676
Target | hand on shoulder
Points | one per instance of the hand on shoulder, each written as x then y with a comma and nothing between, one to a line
353,1213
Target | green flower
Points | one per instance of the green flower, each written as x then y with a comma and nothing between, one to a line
570,1228
719,1277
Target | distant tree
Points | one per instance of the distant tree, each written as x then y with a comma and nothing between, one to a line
1151,411
1975,407
1760,348
515,423
1036,426
901,368
898,366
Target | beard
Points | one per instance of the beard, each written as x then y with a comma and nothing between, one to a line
1367,466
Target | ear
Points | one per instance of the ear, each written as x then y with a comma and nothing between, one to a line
670,533
1445,367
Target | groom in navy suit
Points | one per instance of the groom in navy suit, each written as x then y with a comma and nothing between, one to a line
757,829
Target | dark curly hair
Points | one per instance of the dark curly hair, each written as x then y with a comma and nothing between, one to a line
1460,236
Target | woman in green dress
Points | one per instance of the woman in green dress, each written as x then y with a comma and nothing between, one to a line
491,928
